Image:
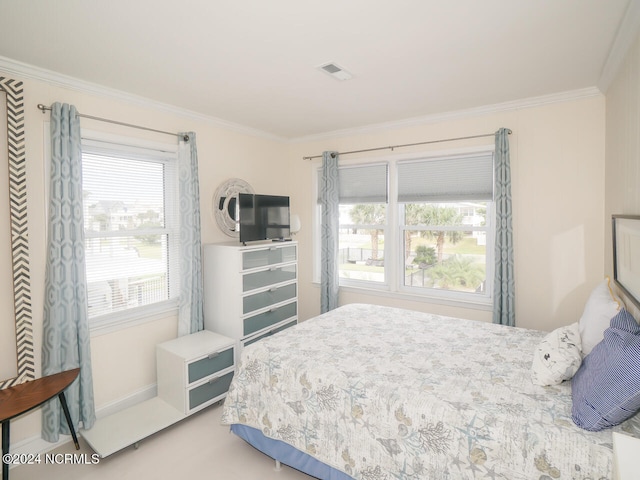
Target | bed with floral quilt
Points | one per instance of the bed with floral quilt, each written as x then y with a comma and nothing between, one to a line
370,392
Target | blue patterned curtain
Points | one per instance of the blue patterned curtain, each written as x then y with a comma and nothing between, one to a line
329,196
190,317
66,341
504,284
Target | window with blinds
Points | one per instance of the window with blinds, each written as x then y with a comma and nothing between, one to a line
362,184
446,179
131,227
421,226
364,194
446,209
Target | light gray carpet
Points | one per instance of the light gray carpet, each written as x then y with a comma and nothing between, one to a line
195,448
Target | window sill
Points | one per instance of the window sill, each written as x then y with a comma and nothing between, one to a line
383,291
120,320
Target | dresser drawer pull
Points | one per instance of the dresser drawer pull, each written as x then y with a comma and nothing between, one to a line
213,355
274,269
274,289
213,380
273,249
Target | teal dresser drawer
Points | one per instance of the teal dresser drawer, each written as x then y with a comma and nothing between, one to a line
277,329
254,302
209,391
268,256
266,319
215,362
272,276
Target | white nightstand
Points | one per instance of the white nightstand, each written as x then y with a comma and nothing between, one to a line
625,457
194,371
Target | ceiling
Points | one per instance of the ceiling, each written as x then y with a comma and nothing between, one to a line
254,62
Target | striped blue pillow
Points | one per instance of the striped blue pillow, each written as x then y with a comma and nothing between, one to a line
606,388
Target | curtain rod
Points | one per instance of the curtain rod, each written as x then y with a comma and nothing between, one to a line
408,145
44,108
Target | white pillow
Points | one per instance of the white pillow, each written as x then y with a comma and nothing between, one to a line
557,357
600,308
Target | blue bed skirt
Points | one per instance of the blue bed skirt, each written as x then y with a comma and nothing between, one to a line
287,454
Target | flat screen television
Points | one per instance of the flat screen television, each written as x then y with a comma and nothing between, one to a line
263,217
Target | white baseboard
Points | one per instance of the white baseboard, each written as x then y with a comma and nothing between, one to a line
36,444
138,396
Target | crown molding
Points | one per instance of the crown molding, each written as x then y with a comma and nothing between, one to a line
457,114
625,36
53,78
25,70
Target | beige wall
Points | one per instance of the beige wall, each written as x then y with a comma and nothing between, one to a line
623,149
557,158
124,361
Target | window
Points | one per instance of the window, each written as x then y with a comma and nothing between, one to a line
428,232
444,248
131,229
363,222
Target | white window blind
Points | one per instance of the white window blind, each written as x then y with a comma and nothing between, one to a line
446,179
131,227
361,184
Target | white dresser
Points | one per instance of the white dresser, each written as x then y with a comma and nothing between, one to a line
250,291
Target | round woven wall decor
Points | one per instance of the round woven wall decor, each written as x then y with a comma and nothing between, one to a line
224,204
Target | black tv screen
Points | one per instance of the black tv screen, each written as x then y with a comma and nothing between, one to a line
263,217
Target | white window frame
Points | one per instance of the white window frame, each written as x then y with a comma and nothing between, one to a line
94,142
393,246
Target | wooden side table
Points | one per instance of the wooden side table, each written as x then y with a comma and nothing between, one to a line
21,398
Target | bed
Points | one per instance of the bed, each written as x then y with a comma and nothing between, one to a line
370,392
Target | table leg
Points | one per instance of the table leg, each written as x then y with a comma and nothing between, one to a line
65,409
5,449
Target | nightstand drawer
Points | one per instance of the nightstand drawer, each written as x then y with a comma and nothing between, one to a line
271,276
209,391
275,295
209,365
271,317
268,256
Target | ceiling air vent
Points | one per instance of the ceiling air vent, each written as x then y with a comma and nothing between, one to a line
335,71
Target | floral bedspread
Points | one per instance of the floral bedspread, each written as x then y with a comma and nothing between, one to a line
384,393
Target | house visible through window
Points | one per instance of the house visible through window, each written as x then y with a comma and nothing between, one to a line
131,228
422,226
